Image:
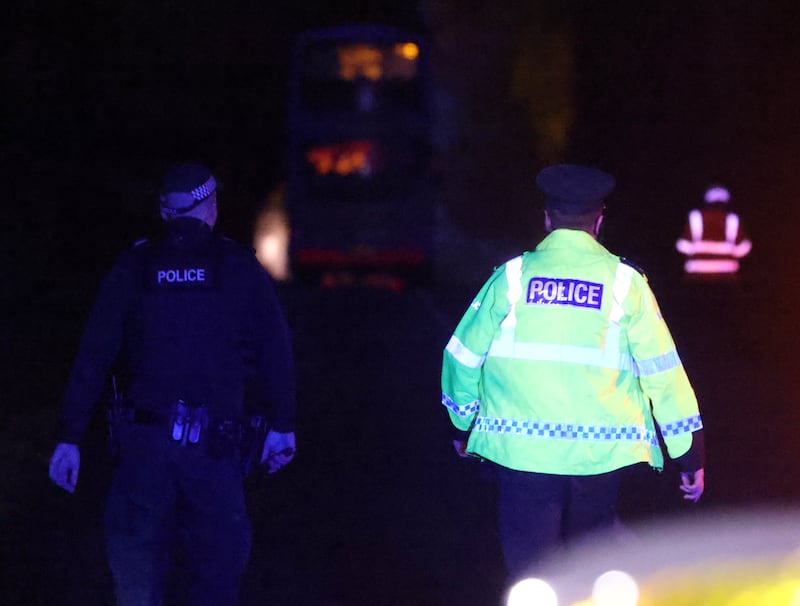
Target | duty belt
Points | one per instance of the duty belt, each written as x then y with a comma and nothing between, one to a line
144,416
188,423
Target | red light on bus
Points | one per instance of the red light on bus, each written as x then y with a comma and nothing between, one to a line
350,158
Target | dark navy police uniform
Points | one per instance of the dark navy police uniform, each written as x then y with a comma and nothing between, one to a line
195,319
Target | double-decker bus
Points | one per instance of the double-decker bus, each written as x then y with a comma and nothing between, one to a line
359,195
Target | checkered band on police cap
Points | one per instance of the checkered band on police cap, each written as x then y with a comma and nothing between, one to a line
194,180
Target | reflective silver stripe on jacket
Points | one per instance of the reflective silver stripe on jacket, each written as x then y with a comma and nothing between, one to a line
658,364
463,355
712,247
461,352
711,266
513,294
731,227
699,246
696,225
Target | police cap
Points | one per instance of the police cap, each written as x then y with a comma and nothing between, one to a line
573,189
185,186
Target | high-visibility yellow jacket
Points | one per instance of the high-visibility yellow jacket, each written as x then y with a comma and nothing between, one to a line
562,362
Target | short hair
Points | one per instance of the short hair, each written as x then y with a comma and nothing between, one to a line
562,220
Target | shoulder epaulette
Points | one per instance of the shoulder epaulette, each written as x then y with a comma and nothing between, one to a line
630,263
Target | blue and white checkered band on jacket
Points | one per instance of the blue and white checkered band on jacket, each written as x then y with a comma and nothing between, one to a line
198,194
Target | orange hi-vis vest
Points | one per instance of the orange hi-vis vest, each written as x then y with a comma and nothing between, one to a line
713,242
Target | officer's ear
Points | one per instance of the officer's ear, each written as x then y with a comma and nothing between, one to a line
597,223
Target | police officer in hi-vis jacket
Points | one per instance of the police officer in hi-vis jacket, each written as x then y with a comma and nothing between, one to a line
195,322
551,373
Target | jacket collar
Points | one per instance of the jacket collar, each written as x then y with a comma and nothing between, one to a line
574,239
188,229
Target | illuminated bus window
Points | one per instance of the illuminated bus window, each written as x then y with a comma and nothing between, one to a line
359,185
374,63
360,61
361,77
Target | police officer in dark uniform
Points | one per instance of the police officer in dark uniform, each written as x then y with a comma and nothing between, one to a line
196,323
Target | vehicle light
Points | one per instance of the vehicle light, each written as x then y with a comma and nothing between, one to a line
615,588
532,592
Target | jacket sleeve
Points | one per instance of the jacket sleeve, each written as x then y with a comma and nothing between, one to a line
100,344
663,378
269,349
466,352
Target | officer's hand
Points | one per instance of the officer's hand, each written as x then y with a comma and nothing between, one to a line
460,447
693,484
64,466
278,450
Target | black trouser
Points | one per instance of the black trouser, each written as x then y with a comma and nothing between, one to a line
165,494
538,512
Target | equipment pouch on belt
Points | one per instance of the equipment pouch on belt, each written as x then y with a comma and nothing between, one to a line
180,419
198,423
189,422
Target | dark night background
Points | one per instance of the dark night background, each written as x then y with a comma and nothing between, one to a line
99,97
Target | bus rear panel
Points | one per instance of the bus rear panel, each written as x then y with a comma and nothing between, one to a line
359,192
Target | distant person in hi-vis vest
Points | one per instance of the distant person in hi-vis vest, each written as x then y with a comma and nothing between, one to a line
714,239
